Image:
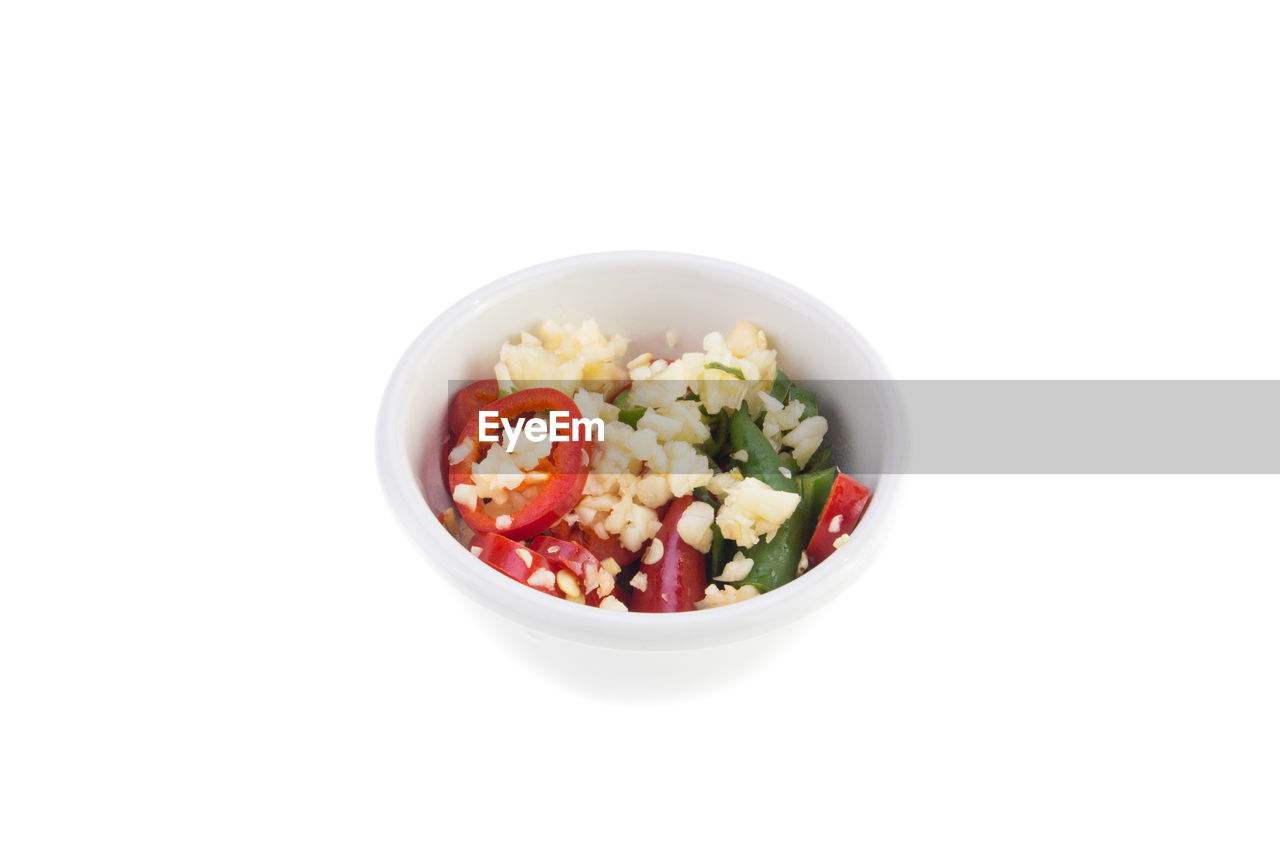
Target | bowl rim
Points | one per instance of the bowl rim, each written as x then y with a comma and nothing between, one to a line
635,631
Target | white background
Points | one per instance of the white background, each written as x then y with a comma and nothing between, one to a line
223,222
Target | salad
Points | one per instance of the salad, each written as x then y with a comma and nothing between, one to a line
654,484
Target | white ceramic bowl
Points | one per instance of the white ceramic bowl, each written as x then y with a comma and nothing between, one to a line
639,295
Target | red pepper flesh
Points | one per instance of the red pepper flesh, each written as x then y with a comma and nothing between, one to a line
576,559
569,462
674,582
604,547
562,554
468,401
845,506
514,560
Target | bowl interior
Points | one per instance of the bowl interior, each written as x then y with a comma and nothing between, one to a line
639,295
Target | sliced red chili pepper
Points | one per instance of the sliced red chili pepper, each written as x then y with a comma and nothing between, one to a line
568,463
675,581
514,560
604,547
845,506
563,554
468,401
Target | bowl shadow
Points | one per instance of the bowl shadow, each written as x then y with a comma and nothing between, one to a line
642,677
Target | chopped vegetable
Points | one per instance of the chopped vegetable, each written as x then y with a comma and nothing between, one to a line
673,571
709,481
603,547
815,487
717,556
808,398
762,461
842,512
631,416
537,497
785,391
563,554
713,446
819,460
724,368
468,401
516,561
774,559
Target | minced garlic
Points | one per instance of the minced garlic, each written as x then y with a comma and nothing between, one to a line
806,438
543,579
694,525
736,569
752,511
562,357
714,596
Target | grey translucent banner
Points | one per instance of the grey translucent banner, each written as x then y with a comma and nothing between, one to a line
1048,426
1090,426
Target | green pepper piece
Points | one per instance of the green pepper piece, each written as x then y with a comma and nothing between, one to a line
724,368
820,460
809,398
623,400
814,487
781,388
716,557
784,391
777,562
719,426
763,461
631,417
774,562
